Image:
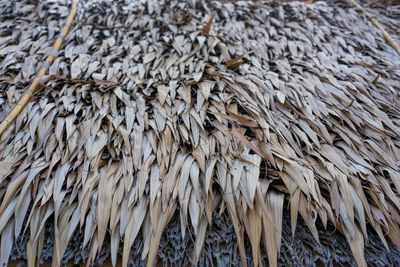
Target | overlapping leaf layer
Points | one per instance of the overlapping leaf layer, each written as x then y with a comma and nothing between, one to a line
152,109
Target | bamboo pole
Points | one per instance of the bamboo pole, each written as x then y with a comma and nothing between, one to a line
35,83
378,25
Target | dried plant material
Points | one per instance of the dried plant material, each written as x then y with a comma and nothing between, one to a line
35,82
376,79
272,226
385,34
236,62
206,29
145,130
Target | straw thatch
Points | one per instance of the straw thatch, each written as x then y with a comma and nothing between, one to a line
256,111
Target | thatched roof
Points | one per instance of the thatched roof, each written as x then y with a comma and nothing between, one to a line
256,121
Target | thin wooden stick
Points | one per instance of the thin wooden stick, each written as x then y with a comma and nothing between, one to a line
35,83
378,25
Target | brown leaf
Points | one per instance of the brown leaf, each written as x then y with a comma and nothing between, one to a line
235,63
207,28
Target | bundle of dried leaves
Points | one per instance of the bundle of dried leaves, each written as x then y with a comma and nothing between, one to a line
198,107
